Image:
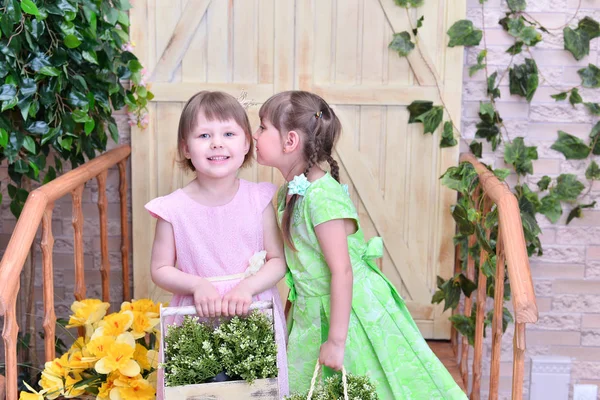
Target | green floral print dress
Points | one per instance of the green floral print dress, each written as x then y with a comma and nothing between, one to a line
383,341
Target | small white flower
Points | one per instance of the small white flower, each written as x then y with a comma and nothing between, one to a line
255,263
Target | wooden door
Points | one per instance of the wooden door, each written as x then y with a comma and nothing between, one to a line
338,49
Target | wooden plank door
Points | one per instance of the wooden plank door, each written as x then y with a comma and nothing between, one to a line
337,49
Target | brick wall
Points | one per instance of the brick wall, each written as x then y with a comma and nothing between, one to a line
567,276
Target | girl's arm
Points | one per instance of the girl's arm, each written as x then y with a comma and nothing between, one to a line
333,239
167,276
239,298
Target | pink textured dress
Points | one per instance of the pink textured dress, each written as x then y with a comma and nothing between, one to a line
214,242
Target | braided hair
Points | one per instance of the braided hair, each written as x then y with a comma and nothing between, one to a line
309,114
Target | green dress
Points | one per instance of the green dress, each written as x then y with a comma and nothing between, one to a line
383,340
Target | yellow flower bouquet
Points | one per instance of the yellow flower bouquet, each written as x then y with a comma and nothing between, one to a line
116,359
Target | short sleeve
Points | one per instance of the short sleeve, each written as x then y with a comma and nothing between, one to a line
329,202
266,191
158,208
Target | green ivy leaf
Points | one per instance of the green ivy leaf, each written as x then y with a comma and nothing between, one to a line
431,119
21,166
114,131
37,127
559,96
419,25
7,92
595,136
482,240
489,266
572,147
524,79
593,171
515,48
50,175
29,144
551,208
577,211
89,126
517,5
479,66
577,42
530,36
3,137
462,33
491,89
448,139
452,292
590,76
502,173
437,298
476,148
520,156
589,26
409,3
467,286
402,43
29,7
487,128
90,56
593,107
72,41
465,326
575,97
460,215
49,71
544,182
567,187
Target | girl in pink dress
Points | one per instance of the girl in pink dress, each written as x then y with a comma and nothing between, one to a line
208,231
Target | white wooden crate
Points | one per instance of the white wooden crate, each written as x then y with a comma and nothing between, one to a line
260,389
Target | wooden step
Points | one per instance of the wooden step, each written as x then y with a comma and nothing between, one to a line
443,350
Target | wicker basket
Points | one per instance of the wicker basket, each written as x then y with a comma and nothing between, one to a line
260,389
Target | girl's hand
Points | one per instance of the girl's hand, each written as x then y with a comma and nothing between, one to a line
236,301
207,300
332,355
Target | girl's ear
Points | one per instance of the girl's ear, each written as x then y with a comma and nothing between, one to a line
186,150
292,142
248,142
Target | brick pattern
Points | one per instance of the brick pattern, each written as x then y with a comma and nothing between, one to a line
567,276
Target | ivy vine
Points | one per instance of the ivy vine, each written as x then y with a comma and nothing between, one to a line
551,195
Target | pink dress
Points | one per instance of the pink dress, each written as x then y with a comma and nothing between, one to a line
218,241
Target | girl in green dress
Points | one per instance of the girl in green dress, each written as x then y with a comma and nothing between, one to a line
345,311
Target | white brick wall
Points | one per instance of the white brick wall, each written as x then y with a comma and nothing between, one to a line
567,276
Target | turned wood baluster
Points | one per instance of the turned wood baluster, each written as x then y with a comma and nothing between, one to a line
497,321
124,231
47,245
105,263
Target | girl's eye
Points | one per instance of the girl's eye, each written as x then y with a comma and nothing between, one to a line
262,128
203,136
229,134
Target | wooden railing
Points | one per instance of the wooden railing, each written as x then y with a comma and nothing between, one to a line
510,248
38,209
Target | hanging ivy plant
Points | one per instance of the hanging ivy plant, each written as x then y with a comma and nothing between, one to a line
62,68
552,194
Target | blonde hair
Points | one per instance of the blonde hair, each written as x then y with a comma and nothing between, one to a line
213,105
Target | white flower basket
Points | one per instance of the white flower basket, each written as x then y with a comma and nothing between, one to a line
261,389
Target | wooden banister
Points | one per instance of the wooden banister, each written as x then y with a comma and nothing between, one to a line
519,274
510,247
38,209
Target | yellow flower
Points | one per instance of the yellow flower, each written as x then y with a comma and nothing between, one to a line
152,358
143,323
53,376
78,345
141,356
142,305
34,395
114,324
99,346
106,387
88,311
132,389
119,357
73,387
78,362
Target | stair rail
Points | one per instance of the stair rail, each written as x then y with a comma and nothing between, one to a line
38,210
